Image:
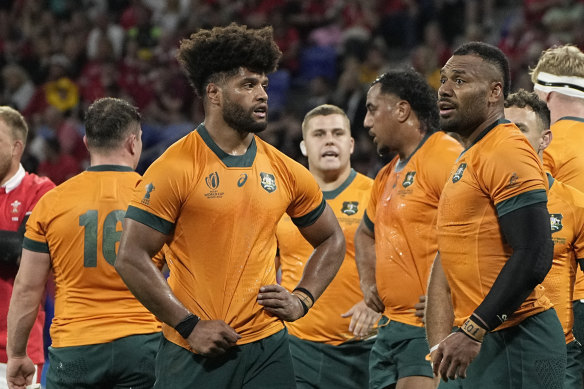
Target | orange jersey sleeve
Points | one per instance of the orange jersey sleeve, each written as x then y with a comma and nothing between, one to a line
499,173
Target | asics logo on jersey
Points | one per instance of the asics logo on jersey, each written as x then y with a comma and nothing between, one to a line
212,180
556,222
242,180
409,179
268,182
458,173
350,207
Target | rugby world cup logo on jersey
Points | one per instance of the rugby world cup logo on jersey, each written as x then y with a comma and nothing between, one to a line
408,179
350,207
556,222
268,182
212,181
146,199
458,173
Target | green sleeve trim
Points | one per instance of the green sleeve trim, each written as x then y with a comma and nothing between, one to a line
368,222
150,220
310,217
33,245
521,200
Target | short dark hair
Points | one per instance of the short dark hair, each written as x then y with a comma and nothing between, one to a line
107,122
522,99
409,85
491,54
223,50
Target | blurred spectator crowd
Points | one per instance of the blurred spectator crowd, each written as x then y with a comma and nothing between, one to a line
57,56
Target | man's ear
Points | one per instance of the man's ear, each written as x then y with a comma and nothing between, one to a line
18,149
545,140
303,148
403,110
496,91
213,93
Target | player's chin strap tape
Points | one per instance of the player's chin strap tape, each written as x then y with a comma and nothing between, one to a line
187,325
306,298
527,230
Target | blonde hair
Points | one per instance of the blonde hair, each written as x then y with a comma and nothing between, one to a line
566,60
15,121
324,110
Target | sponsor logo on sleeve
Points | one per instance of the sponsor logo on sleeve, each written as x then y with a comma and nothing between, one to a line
149,189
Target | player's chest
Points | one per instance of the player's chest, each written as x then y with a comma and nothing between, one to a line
13,207
224,190
403,190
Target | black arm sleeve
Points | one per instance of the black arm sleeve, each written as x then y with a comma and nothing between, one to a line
527,230
11,243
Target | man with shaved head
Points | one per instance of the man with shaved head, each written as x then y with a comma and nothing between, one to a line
494,241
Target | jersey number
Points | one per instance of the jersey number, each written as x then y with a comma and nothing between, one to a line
110,236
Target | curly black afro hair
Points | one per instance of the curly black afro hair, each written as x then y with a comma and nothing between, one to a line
226,49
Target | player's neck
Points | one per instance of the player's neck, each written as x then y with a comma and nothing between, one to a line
98,160
410,145
10,173
228,139
468,140
331,179
560,109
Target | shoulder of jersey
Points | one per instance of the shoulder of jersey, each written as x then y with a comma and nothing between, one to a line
363,180
576,197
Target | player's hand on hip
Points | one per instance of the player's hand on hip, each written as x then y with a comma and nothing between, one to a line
372,299
454,355
278,301
420,308
363,319
212,337
19,372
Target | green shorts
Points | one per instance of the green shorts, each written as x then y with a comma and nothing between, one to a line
530,355
124,363
399,351
263,364
575,366
578,328
321,365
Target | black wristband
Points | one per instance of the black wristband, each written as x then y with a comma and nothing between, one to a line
187,325
304,306
307,292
